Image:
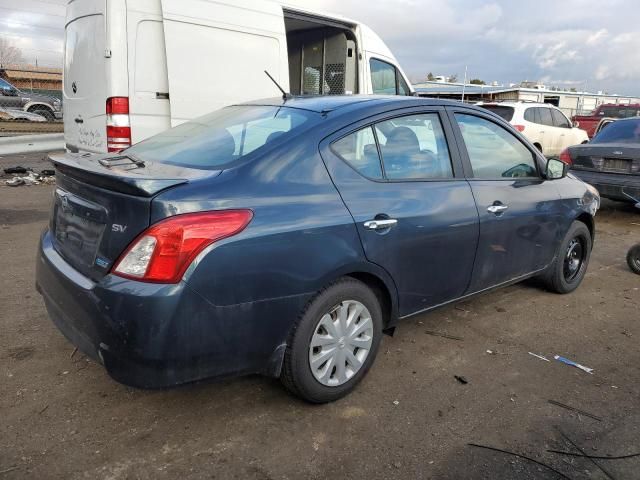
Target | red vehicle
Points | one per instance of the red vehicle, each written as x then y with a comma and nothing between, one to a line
607,110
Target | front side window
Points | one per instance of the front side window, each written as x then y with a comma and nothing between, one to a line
559,119
222,137
414,147
532,115
360,151
493,151
386,79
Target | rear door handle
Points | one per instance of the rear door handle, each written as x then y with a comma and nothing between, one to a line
497,209
380,224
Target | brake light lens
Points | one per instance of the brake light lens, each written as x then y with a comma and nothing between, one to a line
118,124
565,157
163,252
520,128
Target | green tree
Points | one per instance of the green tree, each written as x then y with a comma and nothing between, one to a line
430,77
477,81
453,78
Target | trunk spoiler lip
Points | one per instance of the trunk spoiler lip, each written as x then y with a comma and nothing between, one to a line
131,181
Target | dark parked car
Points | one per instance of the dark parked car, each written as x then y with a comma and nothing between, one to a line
284,237
43,105
610,161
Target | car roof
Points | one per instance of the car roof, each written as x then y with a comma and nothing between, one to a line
330,103
518,103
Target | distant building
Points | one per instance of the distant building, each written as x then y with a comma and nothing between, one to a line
32,78
570,102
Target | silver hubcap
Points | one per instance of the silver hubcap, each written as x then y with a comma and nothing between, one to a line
340,343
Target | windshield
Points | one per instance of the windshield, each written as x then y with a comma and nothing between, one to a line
215,140
505,112
622,131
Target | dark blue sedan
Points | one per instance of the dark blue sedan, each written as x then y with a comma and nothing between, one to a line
283,237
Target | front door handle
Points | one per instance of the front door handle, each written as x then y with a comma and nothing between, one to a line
497,209
380,224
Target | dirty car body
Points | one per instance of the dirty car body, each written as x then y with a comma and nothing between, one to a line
611,160
311,212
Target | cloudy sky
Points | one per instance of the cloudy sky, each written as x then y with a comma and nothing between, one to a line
571,43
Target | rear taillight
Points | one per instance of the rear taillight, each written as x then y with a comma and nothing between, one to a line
565,157
118,126
163,252
520,128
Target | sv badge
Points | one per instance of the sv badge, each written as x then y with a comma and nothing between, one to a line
118,228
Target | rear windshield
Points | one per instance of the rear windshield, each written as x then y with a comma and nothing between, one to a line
500,110
622,131
215,140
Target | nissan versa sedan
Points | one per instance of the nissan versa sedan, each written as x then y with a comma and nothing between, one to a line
284,236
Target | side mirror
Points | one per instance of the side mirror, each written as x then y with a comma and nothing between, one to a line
556,169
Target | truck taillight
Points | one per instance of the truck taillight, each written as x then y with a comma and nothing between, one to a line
163,252
520,128
118,126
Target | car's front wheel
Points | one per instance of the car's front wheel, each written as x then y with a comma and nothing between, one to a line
334,342
565,274
633,259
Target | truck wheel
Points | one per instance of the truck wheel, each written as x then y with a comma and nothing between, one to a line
334,343
568,269
633,259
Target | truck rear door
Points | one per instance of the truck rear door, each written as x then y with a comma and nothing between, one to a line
217,54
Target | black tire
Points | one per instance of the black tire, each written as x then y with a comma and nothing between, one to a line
48,114
297,375
559,277
633,258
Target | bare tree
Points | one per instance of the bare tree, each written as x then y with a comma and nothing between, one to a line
9,53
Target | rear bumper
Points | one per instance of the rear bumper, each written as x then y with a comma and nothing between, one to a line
612,185
151,335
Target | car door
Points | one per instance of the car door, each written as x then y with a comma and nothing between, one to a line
518,209
549,133
414,211
563,126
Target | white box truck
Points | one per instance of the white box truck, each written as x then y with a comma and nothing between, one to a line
133,68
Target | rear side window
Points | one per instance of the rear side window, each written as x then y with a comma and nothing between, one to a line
493,151
360,151
502,111
222,137
545,116
532,115
559,119
414,147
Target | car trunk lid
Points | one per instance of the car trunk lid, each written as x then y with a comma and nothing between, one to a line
609,158
103,202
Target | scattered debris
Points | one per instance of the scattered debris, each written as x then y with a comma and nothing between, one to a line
574,409
32,178
396,402
73,353
462,309
10,469
491,352
42,411
501,310
524,457
17,169
47,173
574,364
539,356
444,335
461,379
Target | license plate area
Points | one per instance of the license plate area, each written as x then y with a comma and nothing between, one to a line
616,165
78,228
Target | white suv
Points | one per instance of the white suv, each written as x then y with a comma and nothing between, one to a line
544,125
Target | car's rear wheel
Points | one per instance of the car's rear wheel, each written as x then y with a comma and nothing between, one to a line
633,259
334,343
565,274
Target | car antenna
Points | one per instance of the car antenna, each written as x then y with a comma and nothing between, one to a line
285,95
